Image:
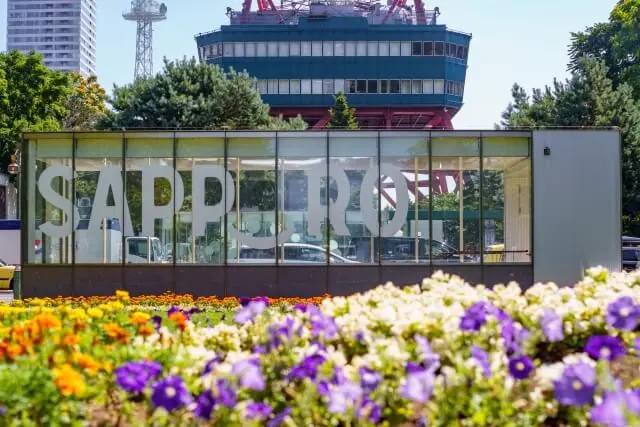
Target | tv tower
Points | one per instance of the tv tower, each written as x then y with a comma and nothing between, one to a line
145,13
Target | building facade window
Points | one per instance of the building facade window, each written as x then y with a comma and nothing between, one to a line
359,86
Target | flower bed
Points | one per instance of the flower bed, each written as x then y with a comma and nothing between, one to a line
443,353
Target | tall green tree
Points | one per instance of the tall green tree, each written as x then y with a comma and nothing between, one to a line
615,42
32,97
588,98
188,94
342,116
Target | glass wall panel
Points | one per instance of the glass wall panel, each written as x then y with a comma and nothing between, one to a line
455,192
302,198
506,202
353,195
50,201
153,192
404,179
251,221
103,217
200,220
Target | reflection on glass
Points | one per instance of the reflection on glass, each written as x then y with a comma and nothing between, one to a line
200,220
153,191
54,215
99,200
506,200
288,197
405,198
353,195
455,187
251,221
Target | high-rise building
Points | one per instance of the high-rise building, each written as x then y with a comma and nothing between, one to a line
64,31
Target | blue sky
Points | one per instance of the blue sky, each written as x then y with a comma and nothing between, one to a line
522,41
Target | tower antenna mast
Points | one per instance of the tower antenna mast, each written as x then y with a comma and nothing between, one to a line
145,13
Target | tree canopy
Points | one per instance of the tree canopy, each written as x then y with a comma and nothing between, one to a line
588,98
615,42
32,97
86,104
188,94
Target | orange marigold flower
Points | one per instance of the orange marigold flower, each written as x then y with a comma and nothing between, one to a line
145,330
87,363
179,319
14,350
122,295
116,332
139,318
68,380
47,321
70,340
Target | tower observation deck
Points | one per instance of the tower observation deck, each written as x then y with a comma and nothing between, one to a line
398,66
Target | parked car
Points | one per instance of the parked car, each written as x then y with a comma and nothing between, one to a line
6,275
289,253
630,258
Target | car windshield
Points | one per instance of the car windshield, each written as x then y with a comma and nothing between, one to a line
2,263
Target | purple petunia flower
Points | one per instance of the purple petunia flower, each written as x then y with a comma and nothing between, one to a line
278,419
481,357
279,332
321,324
134,376
359,336
307,368
623,313
430,358
520,367
3,410
170,393
226,395
343,396
369,379
370,411
604,347
300,307
204,405
475,316
552,325
157,322
211,364
249,373
250,311
323,388
258,411
613,408
577,385
418,386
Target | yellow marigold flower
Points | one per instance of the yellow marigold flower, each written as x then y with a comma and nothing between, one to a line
68,380
77,314
115,306
87,363
139,318
122,295
36,301
94,312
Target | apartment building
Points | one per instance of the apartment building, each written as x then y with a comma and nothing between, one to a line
64,31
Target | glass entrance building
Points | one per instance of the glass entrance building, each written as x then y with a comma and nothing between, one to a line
273,213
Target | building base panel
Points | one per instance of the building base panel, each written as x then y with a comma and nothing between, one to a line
237,281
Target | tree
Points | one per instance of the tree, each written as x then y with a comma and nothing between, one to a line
342,117
588,98
616,43
32,97
86,104
192,95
